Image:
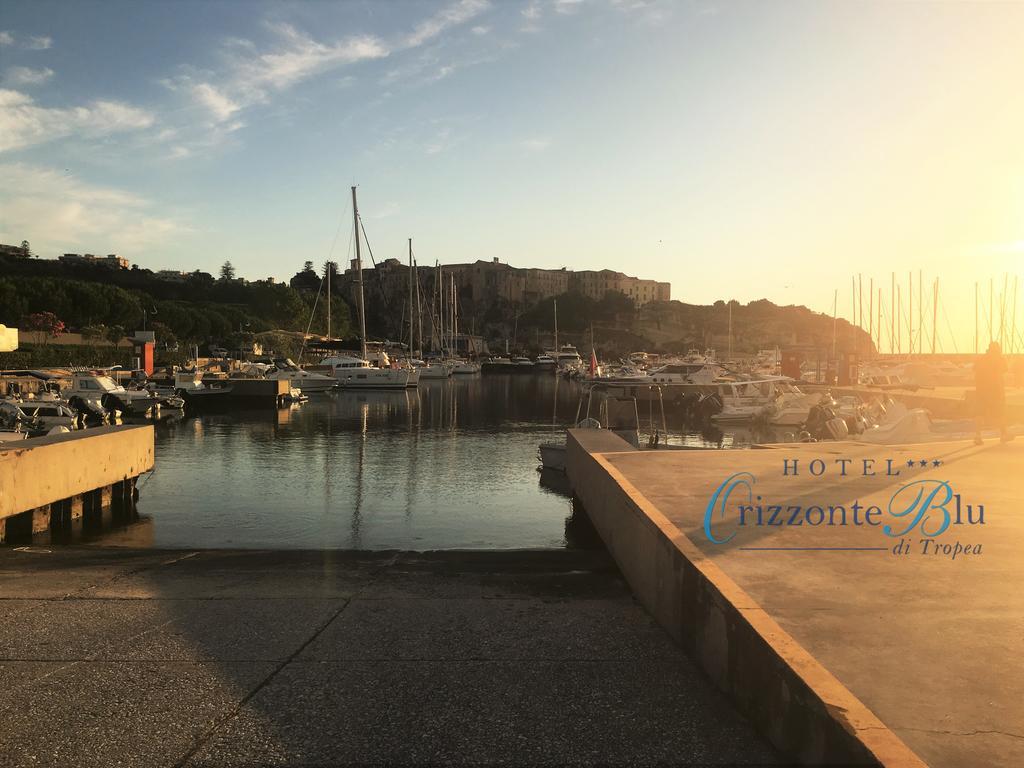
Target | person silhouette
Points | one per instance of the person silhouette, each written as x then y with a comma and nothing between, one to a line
990,392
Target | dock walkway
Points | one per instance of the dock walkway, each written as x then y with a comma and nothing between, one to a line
151,658
825,647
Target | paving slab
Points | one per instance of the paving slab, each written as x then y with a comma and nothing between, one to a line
929,643
492,629
328,658
125,713
484,712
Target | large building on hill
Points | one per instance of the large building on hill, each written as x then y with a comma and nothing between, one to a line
491,280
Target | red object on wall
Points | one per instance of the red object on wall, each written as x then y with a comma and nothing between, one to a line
144,352
791,364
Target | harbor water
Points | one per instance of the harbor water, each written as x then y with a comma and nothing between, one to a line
451,464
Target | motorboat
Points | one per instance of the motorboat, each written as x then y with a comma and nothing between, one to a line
544,362
693,372
746,400
522,364
496,365
308,381
44,414
465,367
189,385
99,390
357,373
567,356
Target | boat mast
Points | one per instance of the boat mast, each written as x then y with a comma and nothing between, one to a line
419,317
440,308
557,348
455,314
411,326
359,279
327,267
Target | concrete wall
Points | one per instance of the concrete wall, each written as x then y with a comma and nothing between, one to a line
42,471
794,701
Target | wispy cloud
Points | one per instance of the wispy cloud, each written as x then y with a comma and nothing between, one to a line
27,76
532,14
220,105
451,16
32,42
77,213
23,123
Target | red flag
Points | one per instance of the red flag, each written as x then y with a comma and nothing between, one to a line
593,363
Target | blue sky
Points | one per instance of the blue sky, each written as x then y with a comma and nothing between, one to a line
737,149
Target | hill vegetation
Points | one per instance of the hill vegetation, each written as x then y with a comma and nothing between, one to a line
200,309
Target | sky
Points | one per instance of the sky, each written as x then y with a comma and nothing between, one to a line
739,150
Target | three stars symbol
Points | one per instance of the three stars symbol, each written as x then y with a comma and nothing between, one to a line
923,462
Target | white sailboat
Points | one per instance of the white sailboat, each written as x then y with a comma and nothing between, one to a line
356,372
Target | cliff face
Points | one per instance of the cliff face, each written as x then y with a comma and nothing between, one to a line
673,326
757,325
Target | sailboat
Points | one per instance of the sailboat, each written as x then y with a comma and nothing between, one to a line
437,368
357,372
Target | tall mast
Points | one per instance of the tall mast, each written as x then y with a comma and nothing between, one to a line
833,327
892,315
880,316
1013,326
455,315
899,318
910,313
860,306
935,313
556,332
975,317
871,313
327,268
419,317
991,309
440,308
411,325
359,279
1002,306
835,310
920,311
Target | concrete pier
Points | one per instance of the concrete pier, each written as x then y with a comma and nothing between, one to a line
215,659
835,646
56,484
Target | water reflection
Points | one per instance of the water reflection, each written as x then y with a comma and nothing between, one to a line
451,464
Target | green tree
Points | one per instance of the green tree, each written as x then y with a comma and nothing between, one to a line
114,334
227,271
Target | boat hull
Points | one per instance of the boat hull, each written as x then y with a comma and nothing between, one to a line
552,456
376,378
